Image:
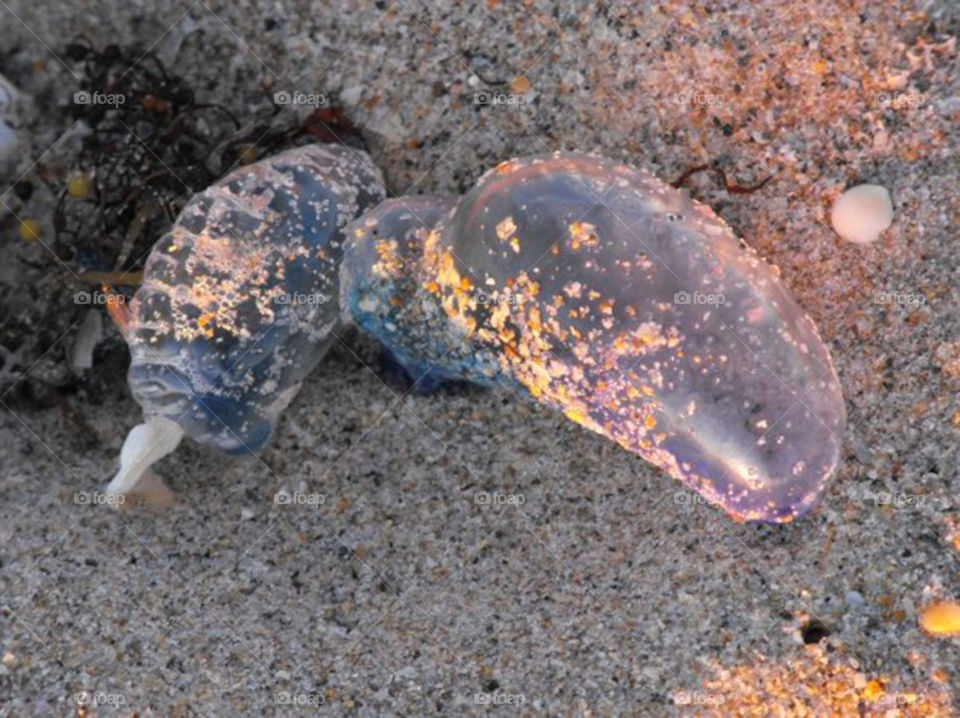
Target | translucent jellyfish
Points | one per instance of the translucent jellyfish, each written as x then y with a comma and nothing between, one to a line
239,298
606,294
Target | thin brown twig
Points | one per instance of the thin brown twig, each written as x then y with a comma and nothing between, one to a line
729,186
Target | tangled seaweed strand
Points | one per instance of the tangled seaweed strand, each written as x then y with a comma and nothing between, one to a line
145,153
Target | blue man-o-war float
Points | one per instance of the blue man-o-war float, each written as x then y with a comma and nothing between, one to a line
570,279
239,302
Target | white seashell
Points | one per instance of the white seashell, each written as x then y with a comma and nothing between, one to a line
862,213
144,446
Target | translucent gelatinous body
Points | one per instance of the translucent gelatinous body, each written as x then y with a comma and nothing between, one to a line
599,290
387,263
239,298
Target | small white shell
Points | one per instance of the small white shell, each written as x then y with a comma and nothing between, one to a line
144,446
88,336
862,213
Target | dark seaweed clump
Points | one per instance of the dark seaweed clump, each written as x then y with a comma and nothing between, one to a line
144,154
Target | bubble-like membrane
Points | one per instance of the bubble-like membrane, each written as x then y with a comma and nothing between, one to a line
597,289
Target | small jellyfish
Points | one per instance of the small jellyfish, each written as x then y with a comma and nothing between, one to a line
239,301
596,289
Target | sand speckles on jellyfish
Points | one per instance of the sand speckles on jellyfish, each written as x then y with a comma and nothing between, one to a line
600,291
